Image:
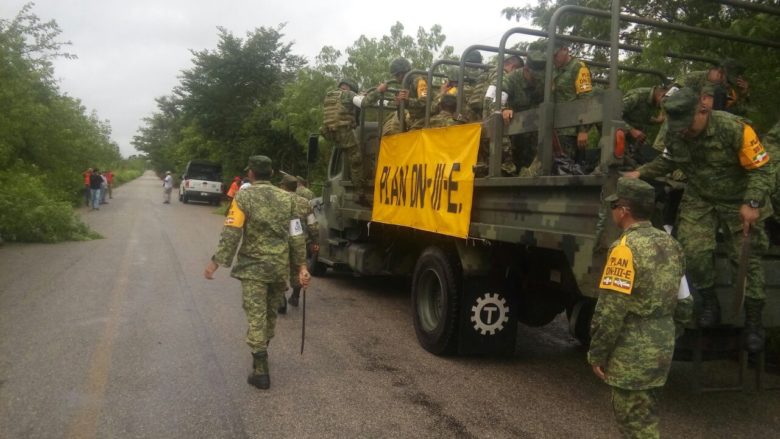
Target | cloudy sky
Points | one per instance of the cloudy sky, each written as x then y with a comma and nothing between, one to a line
131,51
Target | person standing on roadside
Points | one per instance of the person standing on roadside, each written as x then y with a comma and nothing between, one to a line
110,179
263,220
95,185
87,189
643,303
167,187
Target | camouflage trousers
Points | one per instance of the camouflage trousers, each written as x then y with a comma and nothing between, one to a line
698,226
636,412
349,145
261,301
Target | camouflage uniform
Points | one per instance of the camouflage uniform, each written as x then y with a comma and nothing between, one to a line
772,144
442,119
339,122
304,192
572,81
633,328
639,110
725,167
305,213
522,95
261,214
415,105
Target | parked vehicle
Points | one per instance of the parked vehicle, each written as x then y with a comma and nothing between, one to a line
201,181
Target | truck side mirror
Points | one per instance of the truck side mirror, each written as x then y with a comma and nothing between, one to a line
314,145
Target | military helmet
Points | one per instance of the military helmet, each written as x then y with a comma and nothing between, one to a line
474,57
400,65
349,83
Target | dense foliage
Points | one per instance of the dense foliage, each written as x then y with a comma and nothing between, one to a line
253,96
47,139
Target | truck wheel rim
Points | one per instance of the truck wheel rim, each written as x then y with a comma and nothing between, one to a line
429,300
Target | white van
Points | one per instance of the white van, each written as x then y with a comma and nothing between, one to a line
202,181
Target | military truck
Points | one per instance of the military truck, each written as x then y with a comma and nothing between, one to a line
529,250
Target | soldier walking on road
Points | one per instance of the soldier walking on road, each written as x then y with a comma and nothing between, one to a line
262,218
640,307
305,214
728,186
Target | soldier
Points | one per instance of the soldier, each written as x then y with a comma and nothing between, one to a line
303,188
262,218
772,143
572,80
728,184
642,108
305,214
737,96
414,98
446,116
338,123
524,88
642,303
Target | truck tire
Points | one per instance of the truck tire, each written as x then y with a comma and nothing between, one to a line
435,297
184,198
580,315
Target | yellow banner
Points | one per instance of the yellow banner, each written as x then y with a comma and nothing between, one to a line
425,179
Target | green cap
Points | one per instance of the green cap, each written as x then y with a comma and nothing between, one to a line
536,61
259,164
680,109
633,189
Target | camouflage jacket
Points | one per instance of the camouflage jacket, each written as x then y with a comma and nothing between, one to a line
443,119
735,102
304,192
572,81
632,335
725,163
264,216
522,94
305,213
638,108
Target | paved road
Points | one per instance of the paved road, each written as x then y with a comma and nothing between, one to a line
122,338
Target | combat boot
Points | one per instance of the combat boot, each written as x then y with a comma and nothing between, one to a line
295,296
259,376
754,331
710,308
283,308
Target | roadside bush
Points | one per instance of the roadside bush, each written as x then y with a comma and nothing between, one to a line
124,175
29,212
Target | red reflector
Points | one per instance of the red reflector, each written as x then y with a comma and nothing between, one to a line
620,143
186,183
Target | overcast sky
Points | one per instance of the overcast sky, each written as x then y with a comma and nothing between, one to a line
131,51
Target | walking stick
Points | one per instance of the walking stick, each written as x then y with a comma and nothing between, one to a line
303,320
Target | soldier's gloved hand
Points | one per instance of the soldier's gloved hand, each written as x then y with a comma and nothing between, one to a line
304,277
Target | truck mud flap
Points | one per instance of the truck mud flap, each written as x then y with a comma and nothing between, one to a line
488,319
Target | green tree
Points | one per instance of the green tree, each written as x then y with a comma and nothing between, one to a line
47,139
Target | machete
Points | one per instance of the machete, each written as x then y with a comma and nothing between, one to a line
303,320
742,270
